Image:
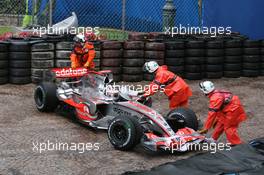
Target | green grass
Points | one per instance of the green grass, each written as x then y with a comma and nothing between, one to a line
109,34
114,34
5,29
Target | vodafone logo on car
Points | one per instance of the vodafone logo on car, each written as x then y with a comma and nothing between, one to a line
69,72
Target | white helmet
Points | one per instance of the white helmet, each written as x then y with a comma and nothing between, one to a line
79,38
151,66
207,87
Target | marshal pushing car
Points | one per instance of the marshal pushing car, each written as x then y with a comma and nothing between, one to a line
128,119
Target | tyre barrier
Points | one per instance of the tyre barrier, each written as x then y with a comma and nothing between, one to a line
42,60
174,56
53,38
3,63
111,58
134,36
159,36
97,59
154,51
251,58
63,52
233,58
19,62
262,58
133,61
194,60
214,59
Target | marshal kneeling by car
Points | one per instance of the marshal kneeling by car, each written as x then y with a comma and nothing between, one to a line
128,119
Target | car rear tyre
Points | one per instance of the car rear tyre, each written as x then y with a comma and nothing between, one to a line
45,97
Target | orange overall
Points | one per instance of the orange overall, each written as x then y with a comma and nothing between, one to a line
172,85
226,111
83,56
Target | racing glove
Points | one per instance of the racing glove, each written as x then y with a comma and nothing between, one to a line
214,123
87,65
86,51
73,66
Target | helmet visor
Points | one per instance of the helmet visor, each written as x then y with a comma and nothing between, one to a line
144,69
202,87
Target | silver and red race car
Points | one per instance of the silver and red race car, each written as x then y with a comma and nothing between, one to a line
128,118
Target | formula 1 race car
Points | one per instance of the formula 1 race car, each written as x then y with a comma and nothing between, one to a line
128,118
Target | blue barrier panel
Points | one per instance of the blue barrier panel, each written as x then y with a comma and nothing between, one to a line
141,15
244,16
106,13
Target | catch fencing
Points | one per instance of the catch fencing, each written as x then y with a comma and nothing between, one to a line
129,15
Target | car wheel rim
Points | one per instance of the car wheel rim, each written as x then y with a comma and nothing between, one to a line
176,122
120,133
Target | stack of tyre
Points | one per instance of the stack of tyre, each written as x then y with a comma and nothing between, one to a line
19,62
214,59
111,58
97,47
194,60
42,61
175,56
134,36
233,58
133,61
251,58
63,52
3,63
262,58
154,51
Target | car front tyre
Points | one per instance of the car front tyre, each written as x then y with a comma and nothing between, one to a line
124,133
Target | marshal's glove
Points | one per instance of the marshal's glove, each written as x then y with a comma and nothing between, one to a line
87,65
203,131
214,123
86,51
73,66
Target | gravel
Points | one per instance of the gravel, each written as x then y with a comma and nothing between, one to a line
22,127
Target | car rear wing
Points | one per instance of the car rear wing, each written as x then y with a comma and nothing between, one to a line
69,72
78,72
